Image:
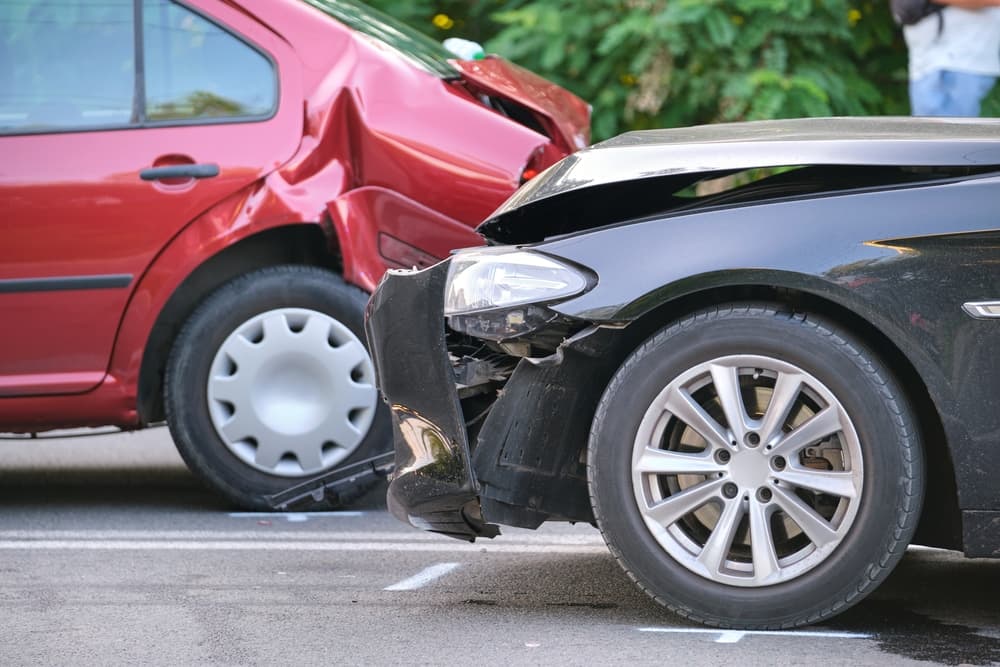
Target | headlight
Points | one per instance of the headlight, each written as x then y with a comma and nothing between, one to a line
501,293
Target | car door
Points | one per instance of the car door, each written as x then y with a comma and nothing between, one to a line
120,123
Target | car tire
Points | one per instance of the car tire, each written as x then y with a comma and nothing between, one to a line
831,479
270,383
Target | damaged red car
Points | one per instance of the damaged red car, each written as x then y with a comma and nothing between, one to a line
197,196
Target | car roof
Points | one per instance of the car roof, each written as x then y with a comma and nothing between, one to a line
869,141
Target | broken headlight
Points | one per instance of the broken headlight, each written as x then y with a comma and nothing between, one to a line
501,293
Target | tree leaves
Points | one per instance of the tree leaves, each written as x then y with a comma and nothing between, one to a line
661,63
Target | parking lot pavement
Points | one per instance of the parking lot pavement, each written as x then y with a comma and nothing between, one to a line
111,552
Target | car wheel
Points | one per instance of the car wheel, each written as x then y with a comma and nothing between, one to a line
270,383
754,468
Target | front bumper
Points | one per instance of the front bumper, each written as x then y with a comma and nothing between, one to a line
433,487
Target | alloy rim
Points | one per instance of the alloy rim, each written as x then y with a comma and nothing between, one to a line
291,392
747,470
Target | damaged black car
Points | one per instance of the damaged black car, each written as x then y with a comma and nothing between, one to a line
760,357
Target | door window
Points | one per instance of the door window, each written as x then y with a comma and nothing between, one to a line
195,69
66,64
70,65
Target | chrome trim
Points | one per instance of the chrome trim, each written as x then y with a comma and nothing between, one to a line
983,310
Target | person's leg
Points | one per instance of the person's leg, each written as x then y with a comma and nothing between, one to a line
927,95
965,92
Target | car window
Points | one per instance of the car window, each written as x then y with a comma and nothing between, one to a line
195,69
411,44
65,64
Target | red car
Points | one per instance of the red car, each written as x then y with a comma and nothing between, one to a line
196,196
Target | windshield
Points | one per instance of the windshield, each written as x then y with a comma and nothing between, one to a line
413,45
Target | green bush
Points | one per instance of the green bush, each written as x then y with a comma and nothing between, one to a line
665,63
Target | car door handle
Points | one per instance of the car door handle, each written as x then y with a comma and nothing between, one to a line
180,171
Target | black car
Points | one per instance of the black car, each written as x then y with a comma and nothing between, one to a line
761,357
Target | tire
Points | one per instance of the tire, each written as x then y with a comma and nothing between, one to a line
833,486
250,384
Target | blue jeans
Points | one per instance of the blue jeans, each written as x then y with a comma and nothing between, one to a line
948,93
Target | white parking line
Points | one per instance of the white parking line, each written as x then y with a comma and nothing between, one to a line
270,538
422,578
295,517
271,533
734,636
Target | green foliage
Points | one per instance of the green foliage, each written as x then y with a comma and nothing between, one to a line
663,63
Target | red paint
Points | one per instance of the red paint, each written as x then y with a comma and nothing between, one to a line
383,156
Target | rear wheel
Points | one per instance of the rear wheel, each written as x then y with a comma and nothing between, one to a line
756,469
270,383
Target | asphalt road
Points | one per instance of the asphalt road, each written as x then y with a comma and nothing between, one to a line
111,553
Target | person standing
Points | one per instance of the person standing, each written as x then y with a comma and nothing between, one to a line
954,58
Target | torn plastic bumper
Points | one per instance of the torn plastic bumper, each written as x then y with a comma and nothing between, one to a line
433,486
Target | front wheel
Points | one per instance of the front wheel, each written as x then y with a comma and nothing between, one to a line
754,468
270,383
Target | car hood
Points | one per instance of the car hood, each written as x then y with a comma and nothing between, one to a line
568,115
704,149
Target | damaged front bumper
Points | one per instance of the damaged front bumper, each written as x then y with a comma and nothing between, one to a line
433,486
485,432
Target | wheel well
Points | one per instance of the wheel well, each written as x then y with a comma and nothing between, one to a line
940,522
291,244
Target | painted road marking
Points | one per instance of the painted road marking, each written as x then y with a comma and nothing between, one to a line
291,545
294,517
734,636
270,538
422,578
270,533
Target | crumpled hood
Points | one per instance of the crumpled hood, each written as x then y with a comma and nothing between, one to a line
876,141
568,115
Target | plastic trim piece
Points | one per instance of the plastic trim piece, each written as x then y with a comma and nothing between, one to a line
983,310
16,285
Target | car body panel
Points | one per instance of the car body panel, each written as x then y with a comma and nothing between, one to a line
390,161
736,146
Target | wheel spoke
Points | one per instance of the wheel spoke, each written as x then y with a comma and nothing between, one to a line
352,395
269,452
240,426
765,558
786,389
275,328
812,524
316,332
714,553
727,385
669,511
231,389
834,483
681,405
241,351
338,429
349,355
309,455
663,462
824,423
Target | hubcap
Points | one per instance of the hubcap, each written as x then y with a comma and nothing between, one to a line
291,392
747,470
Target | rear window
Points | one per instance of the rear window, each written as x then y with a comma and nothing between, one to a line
413,45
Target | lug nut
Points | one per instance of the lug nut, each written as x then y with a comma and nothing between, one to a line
752,439
722,456
778,463
764,494
729,490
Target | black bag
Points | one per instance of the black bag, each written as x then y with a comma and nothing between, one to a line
908,12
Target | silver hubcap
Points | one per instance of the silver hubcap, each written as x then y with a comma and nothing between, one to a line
747,470
291,392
